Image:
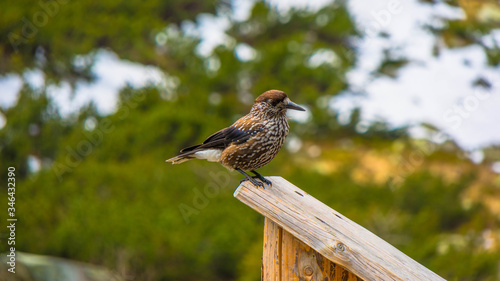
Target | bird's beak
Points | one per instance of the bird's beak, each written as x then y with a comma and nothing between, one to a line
294,106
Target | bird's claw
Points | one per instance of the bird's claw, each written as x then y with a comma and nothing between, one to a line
259,184
255,182
264,180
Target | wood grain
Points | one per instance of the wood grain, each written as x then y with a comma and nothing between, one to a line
328,232
287,258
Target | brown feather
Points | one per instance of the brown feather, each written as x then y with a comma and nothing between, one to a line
253,140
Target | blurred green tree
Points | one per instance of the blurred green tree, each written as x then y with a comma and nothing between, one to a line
104,195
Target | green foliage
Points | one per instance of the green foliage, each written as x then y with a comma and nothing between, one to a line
49,33
104,194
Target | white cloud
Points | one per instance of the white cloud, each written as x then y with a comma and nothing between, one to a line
9,88
426,89
112,74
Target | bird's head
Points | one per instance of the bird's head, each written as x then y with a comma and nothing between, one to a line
274,102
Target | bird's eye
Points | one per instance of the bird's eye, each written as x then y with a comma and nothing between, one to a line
272,102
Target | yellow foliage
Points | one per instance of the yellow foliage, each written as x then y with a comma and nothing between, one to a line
485,11
373,167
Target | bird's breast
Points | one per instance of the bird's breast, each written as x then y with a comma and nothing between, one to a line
260,149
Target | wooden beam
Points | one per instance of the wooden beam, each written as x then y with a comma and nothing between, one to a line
287,258
330,233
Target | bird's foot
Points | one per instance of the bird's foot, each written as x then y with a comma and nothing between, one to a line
254,182
264,180
260,177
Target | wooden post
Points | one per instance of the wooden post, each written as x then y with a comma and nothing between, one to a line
287,258
306,240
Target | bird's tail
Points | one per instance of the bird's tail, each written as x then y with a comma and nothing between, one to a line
181,158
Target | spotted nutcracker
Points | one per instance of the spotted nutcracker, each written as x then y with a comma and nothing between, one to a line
251,142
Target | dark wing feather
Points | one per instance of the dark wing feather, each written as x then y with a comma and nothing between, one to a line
224,138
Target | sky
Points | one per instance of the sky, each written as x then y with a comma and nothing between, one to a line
434,90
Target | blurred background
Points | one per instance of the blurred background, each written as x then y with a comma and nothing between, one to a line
401,135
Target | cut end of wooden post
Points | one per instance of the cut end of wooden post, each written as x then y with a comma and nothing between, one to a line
248,184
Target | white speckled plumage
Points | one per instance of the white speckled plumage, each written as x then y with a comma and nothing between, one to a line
252,141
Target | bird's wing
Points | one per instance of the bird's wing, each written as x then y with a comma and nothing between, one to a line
225,137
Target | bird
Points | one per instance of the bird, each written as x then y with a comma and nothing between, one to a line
251,142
